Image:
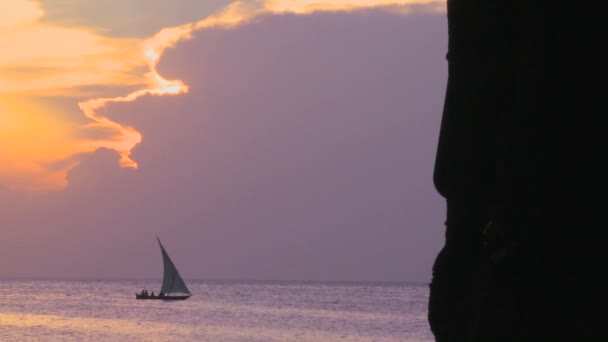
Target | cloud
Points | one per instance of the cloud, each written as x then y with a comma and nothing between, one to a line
290,157
69,56
17,12
235,14
133,18
311,6
71,59
40,60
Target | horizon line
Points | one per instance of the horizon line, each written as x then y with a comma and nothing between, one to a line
235,280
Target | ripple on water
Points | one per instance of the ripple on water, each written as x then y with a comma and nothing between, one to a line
219,311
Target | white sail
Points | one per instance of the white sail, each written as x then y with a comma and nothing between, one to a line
172,282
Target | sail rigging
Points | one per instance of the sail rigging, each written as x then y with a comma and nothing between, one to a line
172,281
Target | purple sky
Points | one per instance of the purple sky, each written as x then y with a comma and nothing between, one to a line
303,151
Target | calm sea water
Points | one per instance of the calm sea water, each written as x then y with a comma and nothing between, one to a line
218,311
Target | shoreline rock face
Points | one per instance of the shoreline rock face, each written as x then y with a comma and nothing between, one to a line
519,263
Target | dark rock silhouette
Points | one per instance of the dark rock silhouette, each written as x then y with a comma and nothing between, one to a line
519,263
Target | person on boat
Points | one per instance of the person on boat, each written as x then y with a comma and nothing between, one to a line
161,294
152,294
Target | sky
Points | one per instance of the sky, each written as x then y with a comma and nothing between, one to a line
270,140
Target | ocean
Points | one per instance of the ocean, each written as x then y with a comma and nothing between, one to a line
218,311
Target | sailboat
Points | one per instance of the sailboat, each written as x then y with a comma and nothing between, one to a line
173,287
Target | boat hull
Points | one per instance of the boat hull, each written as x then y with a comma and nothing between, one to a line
139,296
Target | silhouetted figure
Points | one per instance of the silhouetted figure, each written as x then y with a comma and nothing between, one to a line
518,264
152,294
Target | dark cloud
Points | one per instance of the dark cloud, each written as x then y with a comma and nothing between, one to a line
133,18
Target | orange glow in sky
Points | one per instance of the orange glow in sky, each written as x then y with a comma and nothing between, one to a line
44,60
32,140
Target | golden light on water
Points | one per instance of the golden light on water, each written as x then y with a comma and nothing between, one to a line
119,329
83,324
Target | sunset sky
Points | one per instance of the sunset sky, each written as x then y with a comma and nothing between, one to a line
278,139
